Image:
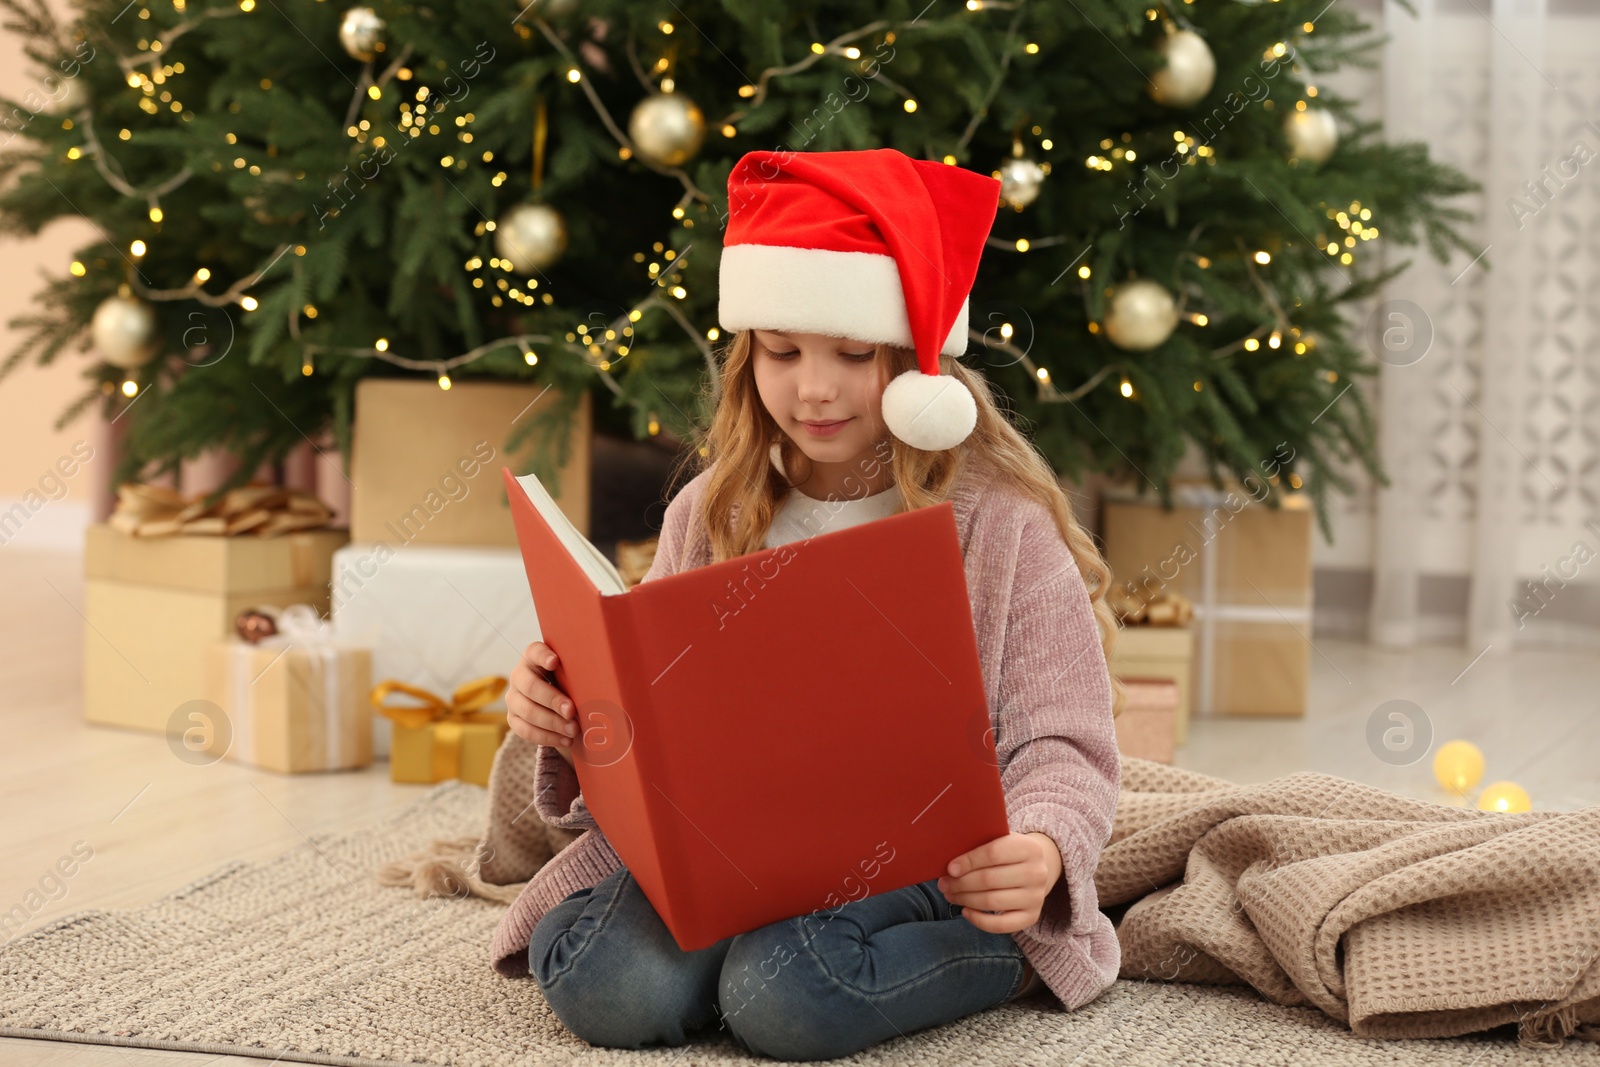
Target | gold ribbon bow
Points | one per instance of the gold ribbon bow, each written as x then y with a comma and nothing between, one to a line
447,719
145,510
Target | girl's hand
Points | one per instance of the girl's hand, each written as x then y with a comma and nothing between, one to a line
1011,875
536,710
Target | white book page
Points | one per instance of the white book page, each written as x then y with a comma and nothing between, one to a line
591,559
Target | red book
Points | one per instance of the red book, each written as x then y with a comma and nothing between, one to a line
779,734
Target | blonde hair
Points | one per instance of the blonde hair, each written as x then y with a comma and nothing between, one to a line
745,487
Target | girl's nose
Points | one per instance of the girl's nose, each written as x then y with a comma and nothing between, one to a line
816,385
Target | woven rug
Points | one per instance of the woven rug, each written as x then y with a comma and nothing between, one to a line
307,958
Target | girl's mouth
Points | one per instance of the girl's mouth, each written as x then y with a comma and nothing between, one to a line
824,429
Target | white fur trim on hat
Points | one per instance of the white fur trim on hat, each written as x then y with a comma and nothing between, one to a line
928,411
816,290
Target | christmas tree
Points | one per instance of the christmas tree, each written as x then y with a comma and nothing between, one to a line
291,196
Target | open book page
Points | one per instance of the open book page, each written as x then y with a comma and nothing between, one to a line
591,559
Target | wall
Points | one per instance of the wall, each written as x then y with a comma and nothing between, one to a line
33,398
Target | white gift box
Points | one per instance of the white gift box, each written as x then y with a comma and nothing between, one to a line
434,616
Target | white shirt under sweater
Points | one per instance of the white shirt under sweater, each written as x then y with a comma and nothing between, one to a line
799,516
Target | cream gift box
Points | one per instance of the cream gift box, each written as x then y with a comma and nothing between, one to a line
153,605
425,462
294,702
1247,568
1165,652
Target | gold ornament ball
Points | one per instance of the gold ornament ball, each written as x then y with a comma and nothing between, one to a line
1141,315
1019,182
667,128
1458,765
1504,796
1312,134
1189,72
361,33
531,236
124,332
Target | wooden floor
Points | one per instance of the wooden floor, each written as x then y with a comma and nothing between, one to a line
155,823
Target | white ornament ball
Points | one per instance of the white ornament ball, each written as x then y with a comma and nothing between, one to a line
124,332
531,236
930,412
667,128
361,33
1312,134
1189,72
553,8
1142,315
1019,182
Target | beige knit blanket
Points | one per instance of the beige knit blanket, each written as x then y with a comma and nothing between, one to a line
1398,917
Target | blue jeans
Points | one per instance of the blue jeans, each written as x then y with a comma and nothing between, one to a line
814,987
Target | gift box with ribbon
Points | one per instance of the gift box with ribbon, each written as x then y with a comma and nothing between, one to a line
167,577
440,739
1246,568
432,614
1156,644
294,699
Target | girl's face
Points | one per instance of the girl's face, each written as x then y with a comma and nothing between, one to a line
825,393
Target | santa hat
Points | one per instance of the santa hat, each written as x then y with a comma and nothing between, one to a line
870,245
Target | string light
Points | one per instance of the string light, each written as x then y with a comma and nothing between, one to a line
574,75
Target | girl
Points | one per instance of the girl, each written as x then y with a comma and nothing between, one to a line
844,286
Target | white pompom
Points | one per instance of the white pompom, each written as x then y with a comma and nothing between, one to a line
930,412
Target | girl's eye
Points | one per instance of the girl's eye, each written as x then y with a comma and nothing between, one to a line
854,357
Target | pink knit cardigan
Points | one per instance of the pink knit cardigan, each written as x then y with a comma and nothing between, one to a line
1049,695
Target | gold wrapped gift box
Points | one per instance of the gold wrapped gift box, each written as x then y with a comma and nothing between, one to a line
439,739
